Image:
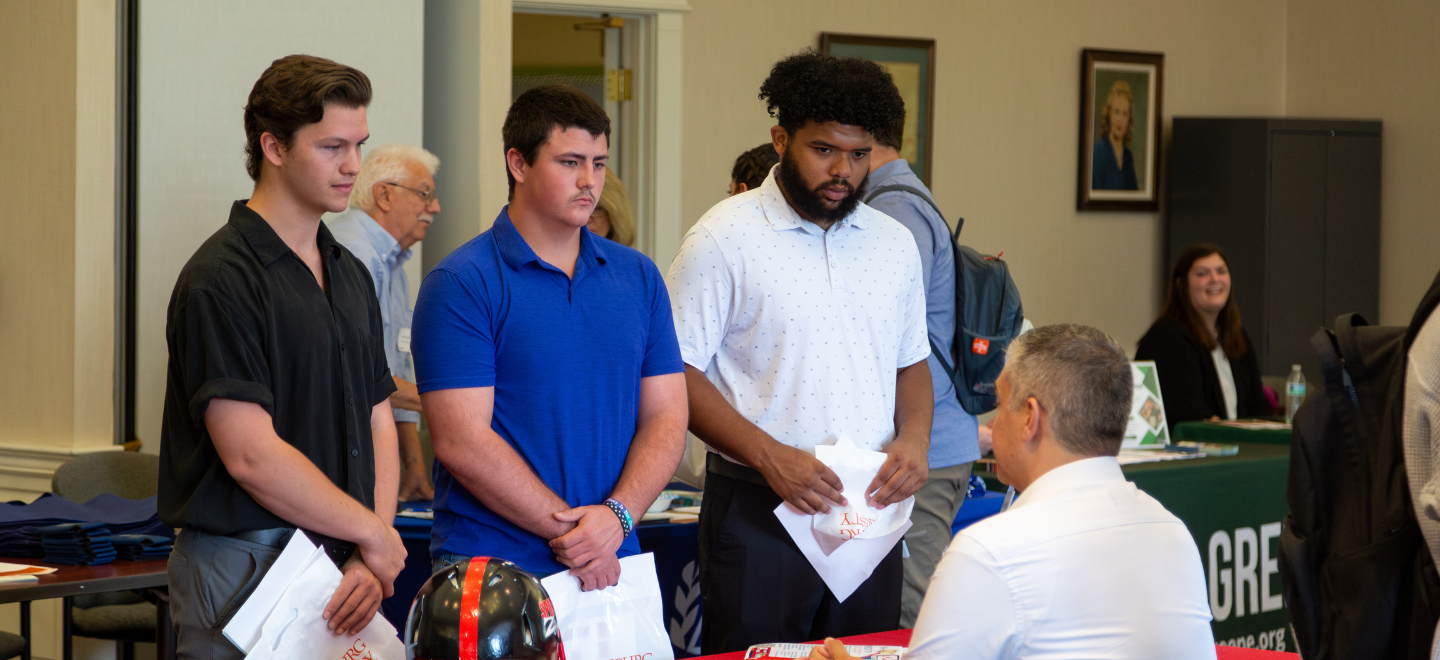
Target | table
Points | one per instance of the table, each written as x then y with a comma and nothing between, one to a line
1220,433
1233,506
70,581
902,638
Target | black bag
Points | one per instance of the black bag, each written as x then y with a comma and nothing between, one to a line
1358,577
988,316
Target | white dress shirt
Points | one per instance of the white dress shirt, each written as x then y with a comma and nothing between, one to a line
1084,565
1227,380
799,328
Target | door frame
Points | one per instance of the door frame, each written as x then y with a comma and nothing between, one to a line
652,131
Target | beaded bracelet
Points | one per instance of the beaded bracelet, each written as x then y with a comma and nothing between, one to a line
626,522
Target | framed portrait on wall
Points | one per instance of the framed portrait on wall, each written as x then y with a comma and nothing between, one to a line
1120,123
911,63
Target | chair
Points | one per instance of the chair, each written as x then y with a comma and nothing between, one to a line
123,617
130,475
11,645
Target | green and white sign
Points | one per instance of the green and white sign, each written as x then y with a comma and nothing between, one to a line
1147,428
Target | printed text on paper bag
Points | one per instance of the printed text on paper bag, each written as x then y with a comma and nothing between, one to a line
851,524
357,651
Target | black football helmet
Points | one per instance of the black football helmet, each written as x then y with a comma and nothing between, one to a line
482,609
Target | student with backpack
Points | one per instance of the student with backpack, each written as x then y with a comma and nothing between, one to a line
1356,552
954,445
972,311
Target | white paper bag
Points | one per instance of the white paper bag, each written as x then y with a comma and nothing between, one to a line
623,622
295,629
244,628
847,544
857,519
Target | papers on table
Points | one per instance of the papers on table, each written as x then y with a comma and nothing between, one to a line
846,545
671,516
22,572
1132,456
1254,424
803,651
283,617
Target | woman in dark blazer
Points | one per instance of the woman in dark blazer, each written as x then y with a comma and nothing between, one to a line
1197,338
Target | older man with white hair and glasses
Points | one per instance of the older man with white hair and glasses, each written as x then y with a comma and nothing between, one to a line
392,204
1083,565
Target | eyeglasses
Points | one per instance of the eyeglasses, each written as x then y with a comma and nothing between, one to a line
426,196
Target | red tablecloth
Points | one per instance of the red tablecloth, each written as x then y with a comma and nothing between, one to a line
902,638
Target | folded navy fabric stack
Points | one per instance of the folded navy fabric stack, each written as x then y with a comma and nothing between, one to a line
19,522
77,544
136,547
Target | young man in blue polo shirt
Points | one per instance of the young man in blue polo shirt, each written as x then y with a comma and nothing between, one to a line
547,364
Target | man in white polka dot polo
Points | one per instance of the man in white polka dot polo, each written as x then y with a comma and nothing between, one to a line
801,319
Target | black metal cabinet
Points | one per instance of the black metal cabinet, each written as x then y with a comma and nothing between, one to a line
1295,204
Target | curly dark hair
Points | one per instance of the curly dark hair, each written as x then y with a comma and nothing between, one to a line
753,166
809,86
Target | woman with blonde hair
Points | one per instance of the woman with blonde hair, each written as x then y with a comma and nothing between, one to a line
1112,166
612,218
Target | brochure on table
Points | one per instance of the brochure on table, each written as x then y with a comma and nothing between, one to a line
803,651
1147,428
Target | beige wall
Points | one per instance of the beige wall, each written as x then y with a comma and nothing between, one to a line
37,45
57,283
1007,89
1379,61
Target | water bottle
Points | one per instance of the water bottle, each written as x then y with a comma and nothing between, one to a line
1294,393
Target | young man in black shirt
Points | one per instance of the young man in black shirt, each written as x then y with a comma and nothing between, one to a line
276,406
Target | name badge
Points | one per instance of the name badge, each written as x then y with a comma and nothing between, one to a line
402,341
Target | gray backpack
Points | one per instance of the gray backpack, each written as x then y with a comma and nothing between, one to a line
988,315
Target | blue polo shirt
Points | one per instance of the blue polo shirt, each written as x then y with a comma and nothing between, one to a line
565,356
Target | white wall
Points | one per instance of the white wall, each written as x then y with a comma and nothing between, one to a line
198,61
1007,86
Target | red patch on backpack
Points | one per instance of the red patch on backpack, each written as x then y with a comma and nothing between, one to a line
980,346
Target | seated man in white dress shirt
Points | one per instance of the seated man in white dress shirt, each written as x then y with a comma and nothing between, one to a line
1083,565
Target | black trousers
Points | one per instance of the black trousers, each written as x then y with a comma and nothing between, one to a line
757,586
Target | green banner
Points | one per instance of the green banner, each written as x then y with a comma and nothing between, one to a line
1233,506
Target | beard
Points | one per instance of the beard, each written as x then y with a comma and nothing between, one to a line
810,202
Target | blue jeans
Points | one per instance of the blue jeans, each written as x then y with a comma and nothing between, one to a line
444,559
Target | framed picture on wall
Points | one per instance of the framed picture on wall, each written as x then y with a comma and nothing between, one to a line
1120,122
911,63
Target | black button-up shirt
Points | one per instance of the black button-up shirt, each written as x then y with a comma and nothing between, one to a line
248,322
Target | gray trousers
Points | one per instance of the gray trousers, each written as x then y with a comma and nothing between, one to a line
936,505
210,577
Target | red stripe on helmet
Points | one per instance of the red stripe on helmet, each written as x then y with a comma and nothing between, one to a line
470,607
